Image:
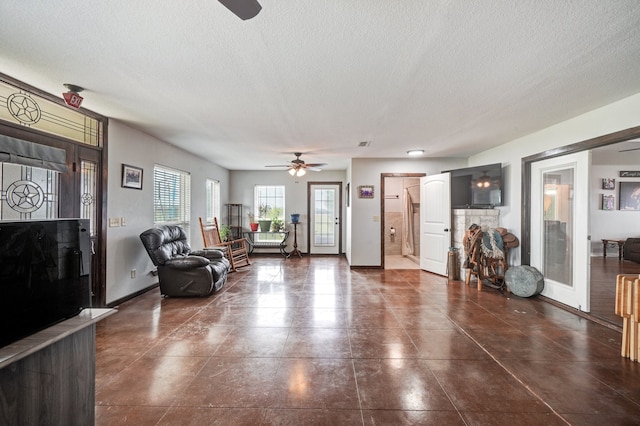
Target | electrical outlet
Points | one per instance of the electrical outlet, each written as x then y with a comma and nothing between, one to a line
133,273
114,222
123,221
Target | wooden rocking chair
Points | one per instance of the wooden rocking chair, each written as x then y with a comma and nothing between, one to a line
235,250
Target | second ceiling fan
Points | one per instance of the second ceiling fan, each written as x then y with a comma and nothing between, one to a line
243,9
298,167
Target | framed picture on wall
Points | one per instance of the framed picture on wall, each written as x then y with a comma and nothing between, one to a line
608,183
608,202
365,191
131,177
629,196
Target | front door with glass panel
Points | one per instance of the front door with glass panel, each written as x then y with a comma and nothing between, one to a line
324,218
560,227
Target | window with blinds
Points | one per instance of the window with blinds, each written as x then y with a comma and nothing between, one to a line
171,197
213,200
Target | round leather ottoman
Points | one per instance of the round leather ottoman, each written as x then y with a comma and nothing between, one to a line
524,280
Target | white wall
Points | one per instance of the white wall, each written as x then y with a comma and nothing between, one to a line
365,247
241,192
124,249
610,224
608,119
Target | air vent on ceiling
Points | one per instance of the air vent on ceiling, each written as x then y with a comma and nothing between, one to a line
364,143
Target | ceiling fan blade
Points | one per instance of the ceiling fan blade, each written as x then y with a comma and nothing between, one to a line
243,9
313,169
280,165
630,149
316,164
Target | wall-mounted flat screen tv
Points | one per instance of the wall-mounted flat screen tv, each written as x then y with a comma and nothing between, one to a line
476,187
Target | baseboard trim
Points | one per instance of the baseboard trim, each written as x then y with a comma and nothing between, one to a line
131,296
579,313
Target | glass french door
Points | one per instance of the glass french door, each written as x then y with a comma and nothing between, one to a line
324,217
87,192
560,227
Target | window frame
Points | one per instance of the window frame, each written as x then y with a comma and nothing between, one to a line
274,197
213,206
164,199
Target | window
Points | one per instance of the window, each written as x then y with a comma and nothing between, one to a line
269,204
213,200
89,194
171,197
28,193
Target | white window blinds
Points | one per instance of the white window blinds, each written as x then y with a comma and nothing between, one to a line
213,200
171,197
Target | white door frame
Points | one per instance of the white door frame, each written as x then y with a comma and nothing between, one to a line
382,209
577,293
337,248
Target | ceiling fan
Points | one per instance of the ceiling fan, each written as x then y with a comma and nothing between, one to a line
298,167
243,9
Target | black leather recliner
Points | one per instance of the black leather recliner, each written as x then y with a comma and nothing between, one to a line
182,272
631,249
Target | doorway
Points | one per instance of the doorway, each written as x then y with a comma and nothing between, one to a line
325,217
52,195
602,270
400,212
560,227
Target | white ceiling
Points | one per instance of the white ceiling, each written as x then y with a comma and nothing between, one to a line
450,77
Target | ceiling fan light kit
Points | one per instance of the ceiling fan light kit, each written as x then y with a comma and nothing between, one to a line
299,172
299,168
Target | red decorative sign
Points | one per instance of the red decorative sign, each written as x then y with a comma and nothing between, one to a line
72,99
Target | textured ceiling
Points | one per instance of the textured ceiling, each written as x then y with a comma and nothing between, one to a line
450,77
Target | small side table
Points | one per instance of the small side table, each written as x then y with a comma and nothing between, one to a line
295,241
619,243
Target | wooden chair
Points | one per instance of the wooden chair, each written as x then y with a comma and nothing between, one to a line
235,250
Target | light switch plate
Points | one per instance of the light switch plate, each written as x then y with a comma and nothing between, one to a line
114,222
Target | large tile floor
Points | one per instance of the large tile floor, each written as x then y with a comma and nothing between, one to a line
309,341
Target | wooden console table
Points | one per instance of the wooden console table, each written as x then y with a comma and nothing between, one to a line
49,377
618,242
264,240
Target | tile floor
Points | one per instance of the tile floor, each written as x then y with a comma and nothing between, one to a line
396,261
309,341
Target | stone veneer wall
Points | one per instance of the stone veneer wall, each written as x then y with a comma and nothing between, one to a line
463,219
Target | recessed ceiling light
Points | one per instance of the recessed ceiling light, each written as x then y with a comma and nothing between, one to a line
415,152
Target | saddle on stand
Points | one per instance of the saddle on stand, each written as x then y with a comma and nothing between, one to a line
486,254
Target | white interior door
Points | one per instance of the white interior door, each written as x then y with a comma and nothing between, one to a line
560,227
325,219
435,226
